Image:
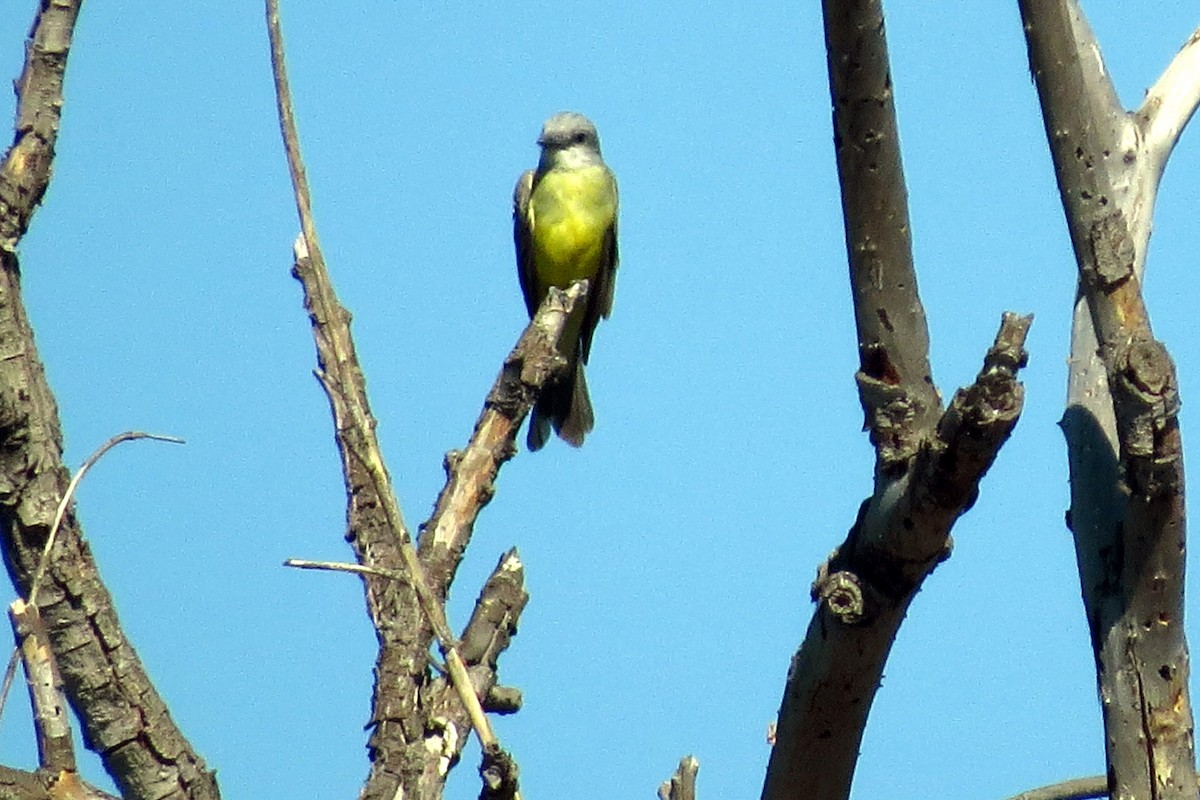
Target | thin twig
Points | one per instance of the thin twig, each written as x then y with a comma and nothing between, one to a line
340,566
127,436
59,514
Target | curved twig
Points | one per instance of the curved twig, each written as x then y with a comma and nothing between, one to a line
89,462
60,512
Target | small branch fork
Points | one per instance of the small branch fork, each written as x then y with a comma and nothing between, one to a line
1121,424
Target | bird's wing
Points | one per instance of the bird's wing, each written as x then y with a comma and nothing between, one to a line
523,237
600,296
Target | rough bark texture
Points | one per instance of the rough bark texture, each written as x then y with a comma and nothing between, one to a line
470,472
123,717
1127,505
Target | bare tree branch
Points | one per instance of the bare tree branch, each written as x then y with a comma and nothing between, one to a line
56,751
1127,509
59,513
417,734
682,785
470,473
25,173
124,719
1169,104
57,776
1095,786
17,784
1076,789
895,383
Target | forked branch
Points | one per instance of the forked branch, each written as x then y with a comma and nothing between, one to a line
928,463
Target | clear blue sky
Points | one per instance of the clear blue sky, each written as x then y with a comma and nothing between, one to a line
668,560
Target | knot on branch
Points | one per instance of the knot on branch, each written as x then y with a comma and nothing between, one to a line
1112,252
499,774
890,416
842,593
503,700
978,421
1146,401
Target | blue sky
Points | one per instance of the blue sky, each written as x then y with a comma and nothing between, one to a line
668,560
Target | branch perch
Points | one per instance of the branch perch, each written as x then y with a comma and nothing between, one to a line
412,743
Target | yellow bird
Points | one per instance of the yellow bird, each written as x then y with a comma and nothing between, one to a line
565,227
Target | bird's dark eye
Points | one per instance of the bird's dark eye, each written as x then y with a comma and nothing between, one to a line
579,138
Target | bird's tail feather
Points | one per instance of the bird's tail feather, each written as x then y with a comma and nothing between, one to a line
579,419
567,408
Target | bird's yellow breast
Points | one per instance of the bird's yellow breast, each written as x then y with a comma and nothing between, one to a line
571,212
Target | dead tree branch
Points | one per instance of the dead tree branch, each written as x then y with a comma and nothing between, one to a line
682,785
124,719
1121,424
18,784
57,776
929,462
419,724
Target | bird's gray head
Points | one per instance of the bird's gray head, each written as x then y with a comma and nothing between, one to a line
569,138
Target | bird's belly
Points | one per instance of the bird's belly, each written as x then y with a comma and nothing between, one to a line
573,214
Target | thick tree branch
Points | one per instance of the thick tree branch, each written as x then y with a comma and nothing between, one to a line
123,717
1127,510
25,173
895,383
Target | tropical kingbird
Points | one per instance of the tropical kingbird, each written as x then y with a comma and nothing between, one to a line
565,227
